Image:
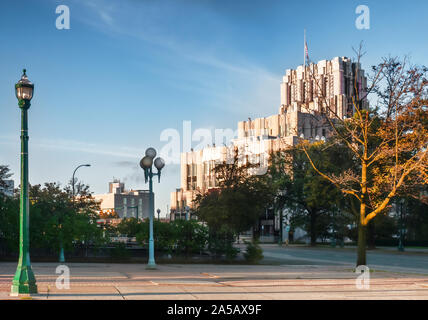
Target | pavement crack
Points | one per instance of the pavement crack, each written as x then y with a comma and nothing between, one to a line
189,292
119,292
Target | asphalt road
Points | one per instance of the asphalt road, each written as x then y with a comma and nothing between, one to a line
415,262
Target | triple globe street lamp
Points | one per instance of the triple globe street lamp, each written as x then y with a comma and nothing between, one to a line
146,164
24,281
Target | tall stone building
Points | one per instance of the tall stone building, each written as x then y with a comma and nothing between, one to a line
308,94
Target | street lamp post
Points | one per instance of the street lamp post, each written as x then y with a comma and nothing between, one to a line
277,206
158,211
187,212
24,281
74,172
61,251
146,164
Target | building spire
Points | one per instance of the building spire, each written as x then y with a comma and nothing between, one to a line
304,47
305,50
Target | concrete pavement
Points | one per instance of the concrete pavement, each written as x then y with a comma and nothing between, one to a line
216,282
379,259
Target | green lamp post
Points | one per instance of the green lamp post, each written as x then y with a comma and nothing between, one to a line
146,164
24,281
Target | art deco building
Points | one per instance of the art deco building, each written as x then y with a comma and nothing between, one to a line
308,94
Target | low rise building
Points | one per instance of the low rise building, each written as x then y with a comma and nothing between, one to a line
124,203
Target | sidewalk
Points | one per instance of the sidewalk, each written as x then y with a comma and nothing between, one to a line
327,246
217,282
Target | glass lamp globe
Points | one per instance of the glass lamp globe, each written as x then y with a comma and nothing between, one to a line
151,152
146,162
24,88
159,163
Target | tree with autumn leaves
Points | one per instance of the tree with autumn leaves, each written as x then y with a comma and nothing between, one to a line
388,140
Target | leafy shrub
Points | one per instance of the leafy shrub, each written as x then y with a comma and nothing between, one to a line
220,242
178,236
191,236
254,252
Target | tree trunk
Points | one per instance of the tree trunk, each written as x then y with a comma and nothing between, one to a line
361,259
313,229
371,235
362,226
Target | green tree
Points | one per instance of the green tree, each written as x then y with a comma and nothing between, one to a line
415,217
315,203
4,175
129,227
9,223
236,205
56,219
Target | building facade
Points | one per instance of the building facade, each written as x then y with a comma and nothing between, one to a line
308,95
125,203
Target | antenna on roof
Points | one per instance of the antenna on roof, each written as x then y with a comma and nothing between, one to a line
306,52
304,47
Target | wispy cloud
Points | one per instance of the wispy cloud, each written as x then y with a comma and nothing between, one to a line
253,90
125,164
79,146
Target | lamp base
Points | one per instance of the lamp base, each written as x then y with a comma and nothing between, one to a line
61,256
24,282
151,266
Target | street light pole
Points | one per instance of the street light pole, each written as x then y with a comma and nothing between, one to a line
146,164
61,251
74,172
151,263
187,212
24,281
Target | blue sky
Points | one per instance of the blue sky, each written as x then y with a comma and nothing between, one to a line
127,70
